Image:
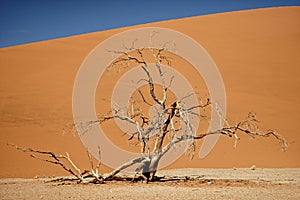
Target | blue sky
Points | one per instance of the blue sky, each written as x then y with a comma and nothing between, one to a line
25,21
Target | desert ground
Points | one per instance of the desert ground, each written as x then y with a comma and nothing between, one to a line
257,53
210,184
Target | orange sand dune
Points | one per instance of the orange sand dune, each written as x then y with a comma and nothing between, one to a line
257,52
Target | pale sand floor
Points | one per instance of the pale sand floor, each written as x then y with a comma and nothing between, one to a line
224,184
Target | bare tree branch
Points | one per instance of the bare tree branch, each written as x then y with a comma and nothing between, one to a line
145,101
122,167
54,159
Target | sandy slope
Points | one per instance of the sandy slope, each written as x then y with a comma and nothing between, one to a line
256,52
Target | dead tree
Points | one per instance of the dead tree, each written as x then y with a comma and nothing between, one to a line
172,121
169,116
